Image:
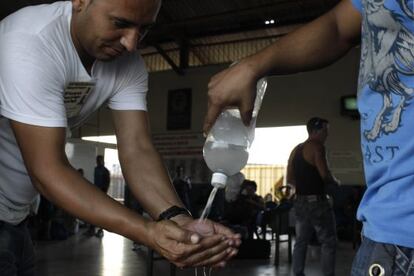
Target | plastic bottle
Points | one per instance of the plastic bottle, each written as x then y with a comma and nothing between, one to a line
226,147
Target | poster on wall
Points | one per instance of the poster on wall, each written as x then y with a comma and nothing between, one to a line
183,149
179,109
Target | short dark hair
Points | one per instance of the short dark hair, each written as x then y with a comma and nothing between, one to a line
179,169
315,123
251,183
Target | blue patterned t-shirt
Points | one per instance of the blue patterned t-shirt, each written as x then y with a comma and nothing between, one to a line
385,102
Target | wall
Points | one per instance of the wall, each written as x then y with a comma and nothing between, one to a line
82,155
290,100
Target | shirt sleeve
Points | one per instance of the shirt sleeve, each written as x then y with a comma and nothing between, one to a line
357,4
132,85
31,83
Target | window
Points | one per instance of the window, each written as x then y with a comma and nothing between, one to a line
269,154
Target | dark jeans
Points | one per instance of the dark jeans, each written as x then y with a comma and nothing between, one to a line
377,257
16,250
314,217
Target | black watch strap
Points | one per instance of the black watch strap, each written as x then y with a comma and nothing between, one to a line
172,212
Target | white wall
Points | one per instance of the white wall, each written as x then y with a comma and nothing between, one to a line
290,100
82,155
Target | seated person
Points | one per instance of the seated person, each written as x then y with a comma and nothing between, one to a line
182,187
269,203
245,209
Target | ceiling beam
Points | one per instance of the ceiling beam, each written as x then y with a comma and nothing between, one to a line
195,47
167,58
184,53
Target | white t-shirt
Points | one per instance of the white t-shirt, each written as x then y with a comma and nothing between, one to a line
43,83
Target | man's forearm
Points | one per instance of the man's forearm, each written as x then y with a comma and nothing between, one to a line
312,46
149,181
63,185
142,166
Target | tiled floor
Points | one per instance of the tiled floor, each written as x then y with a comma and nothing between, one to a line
112,256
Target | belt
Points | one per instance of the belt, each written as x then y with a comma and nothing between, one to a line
312,198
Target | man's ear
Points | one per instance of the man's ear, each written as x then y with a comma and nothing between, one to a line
79,5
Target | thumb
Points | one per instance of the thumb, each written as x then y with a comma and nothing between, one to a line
246,107
182,235
190,238
246,115
194,238
213,111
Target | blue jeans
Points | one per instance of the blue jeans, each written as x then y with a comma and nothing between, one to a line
392,260
314,217
16,250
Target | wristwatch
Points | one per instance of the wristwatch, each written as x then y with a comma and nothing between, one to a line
172,212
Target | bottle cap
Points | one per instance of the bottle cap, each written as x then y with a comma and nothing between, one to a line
219,180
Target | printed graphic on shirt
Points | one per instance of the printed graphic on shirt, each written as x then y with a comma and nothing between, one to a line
75,96
378,153
387,58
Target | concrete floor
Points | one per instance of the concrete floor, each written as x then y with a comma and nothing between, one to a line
112,256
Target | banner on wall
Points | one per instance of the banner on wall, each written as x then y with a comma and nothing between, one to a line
179,145
185,150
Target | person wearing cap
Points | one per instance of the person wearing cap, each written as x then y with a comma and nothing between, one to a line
309,173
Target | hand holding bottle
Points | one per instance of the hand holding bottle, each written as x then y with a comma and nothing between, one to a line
226,148
234,86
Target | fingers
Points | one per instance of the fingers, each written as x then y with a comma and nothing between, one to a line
173,242
216,255
216,100
214,250
236,87
208,227
247,106
185,247
246,116
221,229
234,240
216,106
213,111
217,260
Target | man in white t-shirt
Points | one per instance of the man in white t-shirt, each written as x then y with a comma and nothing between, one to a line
58,64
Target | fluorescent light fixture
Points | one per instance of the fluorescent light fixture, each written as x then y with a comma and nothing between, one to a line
109,139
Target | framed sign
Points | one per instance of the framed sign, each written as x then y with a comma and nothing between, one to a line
179,109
